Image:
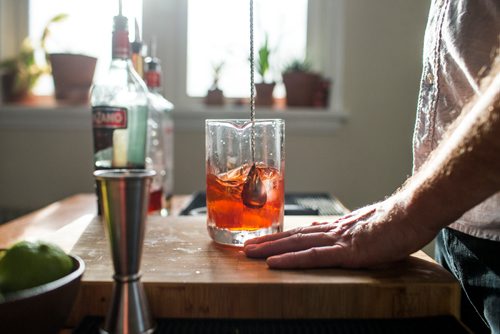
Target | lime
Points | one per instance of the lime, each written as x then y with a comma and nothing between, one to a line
29,264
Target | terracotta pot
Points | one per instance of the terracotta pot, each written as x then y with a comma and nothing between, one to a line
73,75
300,88
264,94
322,94
215,97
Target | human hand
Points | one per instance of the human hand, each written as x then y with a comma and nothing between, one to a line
376,234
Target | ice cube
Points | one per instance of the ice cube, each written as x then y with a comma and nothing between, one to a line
236,175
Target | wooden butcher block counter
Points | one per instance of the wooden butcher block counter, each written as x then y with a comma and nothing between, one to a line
187,275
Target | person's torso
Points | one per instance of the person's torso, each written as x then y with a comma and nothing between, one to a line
460,41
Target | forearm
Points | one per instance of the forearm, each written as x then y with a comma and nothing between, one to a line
465,168
462,172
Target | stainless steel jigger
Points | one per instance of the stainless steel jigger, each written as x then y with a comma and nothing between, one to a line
124,206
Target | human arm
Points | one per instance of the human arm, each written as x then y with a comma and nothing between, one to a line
462,172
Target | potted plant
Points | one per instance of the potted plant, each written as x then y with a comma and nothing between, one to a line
301,83
264,90
215,96
21,72
72,73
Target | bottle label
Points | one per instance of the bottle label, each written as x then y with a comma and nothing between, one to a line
110,136
109,117
119,136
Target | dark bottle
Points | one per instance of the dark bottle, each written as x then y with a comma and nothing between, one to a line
160,155
137,52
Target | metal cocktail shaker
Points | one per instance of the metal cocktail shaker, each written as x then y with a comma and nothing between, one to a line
124,207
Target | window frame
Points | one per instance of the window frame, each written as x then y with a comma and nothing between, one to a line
14,17
167,20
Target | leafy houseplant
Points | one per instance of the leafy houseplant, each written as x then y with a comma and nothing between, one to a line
215,95
263,59
301,83
298,65
264,90
21,72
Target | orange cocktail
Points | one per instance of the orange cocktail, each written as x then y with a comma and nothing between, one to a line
229,160
225,206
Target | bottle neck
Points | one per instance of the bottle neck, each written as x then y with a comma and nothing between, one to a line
121,63
121,45
136,57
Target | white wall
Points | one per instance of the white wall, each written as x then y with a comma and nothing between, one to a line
382,70
13,26
368,158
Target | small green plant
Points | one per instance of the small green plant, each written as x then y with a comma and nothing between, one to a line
263,59
216,72
298,65
24,65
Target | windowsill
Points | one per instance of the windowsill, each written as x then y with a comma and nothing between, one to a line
186,119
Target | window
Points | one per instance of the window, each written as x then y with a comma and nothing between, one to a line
182,28
87,30
218,32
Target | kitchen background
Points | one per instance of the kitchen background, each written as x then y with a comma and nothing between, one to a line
359,157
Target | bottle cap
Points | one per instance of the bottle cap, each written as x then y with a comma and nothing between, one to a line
120,23
137,43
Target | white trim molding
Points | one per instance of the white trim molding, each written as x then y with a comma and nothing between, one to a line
78,118
297,120
63,118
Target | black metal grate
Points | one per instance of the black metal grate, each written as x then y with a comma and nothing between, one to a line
313,204
428,325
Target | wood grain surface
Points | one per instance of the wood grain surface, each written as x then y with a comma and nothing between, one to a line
187,275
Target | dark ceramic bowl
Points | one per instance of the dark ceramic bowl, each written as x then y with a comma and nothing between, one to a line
42,309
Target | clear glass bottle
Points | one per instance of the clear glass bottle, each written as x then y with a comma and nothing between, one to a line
120,109
160,151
